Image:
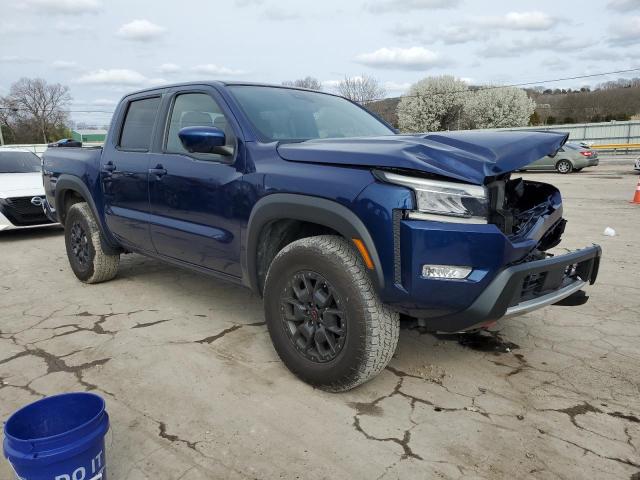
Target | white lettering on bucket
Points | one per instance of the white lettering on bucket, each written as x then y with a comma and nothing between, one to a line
78,474
97,460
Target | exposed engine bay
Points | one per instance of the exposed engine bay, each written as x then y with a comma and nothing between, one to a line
517,205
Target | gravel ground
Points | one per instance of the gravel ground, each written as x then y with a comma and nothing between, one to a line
195,390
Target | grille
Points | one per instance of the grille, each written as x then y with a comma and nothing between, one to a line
21,212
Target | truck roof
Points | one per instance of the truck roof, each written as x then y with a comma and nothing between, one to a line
225,83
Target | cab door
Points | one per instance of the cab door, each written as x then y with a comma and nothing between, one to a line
124,173
195,198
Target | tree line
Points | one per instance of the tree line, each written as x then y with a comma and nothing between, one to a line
34,111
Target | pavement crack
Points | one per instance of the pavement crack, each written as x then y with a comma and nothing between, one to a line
630,418
213,338
56,364
174,438
148,324
209,340
624,461
404,442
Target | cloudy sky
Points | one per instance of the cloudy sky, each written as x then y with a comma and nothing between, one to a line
104,48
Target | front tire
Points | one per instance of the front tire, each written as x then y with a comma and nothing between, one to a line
564,166
87,258
325,319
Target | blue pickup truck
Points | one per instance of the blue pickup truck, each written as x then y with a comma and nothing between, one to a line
342,225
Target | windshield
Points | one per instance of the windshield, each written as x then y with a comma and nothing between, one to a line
19,162
296,115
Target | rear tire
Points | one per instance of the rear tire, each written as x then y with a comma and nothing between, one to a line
564,166
87,258
325,319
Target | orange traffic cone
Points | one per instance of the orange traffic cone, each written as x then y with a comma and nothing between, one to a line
636,197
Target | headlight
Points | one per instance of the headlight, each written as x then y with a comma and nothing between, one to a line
468,203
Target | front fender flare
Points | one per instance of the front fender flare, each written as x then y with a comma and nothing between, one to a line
281,206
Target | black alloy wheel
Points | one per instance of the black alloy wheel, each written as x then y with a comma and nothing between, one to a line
80,244
312,316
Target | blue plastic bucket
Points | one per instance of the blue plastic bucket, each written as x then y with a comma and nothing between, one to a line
58,438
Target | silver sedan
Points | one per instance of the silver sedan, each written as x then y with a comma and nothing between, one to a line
572,157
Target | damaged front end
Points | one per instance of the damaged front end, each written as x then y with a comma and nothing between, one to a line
527,212
525,209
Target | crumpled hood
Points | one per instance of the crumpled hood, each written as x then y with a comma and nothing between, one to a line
21,184
469,156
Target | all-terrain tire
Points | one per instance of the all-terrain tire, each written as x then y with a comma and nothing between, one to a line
88,260
564,166
372,328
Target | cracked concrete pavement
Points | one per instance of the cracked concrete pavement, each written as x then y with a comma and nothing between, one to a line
195,390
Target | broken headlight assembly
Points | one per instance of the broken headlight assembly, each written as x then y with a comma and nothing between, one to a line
438,199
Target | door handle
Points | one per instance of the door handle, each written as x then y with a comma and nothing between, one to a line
159,171
109,167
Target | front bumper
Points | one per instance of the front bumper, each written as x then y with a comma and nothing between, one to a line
525,287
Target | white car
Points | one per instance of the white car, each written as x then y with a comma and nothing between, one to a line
21,190
636,166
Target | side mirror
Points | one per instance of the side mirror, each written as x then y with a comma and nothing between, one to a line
204,140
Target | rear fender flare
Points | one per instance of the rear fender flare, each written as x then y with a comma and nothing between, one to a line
67,183
285,206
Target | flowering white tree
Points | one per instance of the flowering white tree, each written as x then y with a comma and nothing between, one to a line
435,103
498,108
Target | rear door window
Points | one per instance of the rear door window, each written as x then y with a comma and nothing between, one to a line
138,124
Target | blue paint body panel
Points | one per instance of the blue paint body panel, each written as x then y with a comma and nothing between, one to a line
196,212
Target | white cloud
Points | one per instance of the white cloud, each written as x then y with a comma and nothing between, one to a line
527,45
212,69
169,68
454,34
63,7
64,65
115,76
248,3
141,30
626,31
624,5
17,59
520,21
414,58
405,5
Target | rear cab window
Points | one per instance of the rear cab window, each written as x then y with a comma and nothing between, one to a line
137,128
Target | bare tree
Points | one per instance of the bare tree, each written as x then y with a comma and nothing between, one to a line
33,100
362,89
311,83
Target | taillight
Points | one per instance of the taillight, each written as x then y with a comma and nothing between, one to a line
586,153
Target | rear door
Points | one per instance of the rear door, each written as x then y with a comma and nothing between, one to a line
124,172
197,199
